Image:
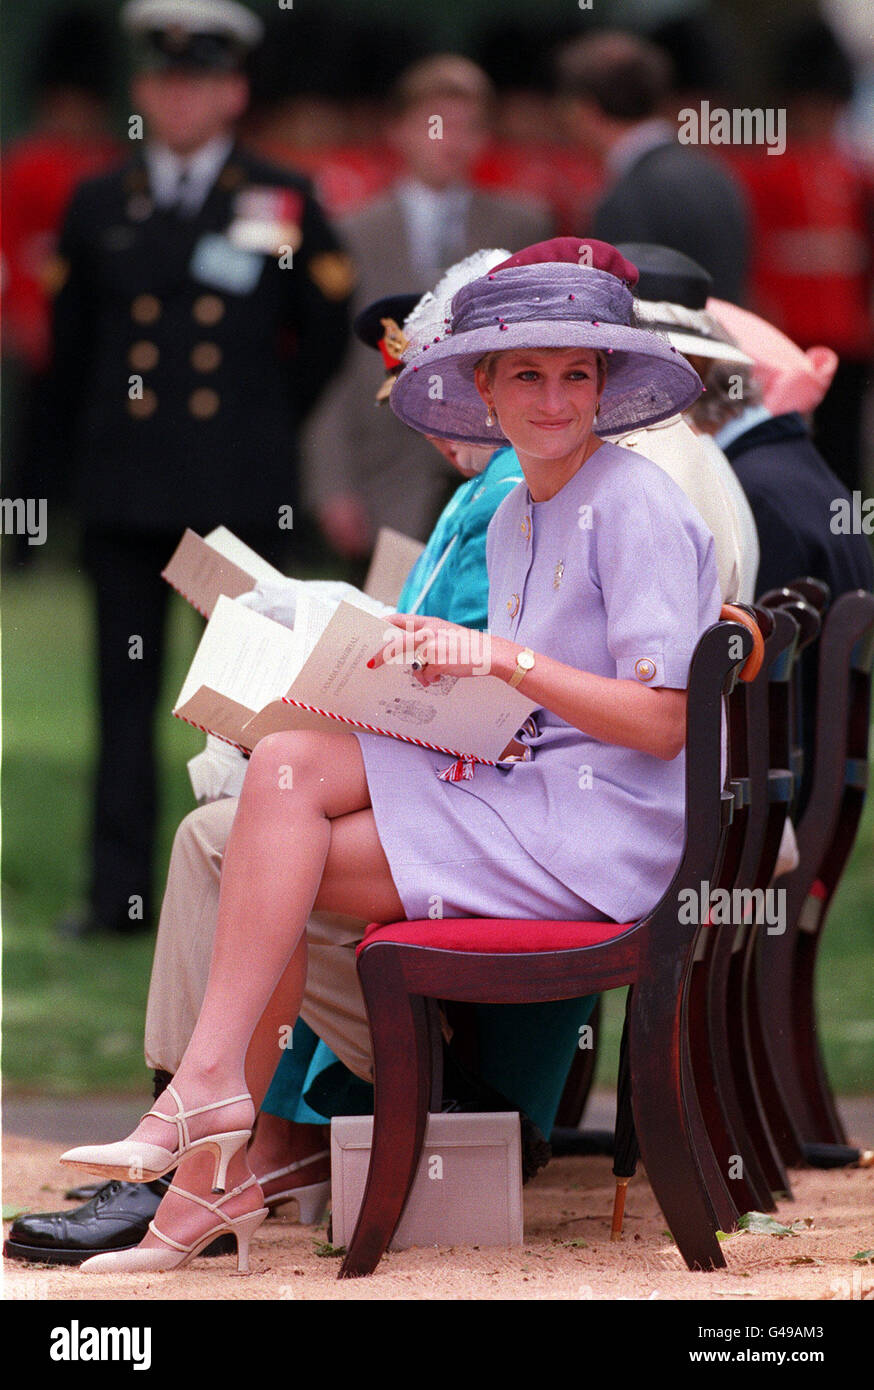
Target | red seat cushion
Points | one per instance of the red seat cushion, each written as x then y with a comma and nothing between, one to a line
495,935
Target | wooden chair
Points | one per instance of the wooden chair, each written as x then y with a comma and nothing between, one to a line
771,791
802,606
407,966
825,833
715,1077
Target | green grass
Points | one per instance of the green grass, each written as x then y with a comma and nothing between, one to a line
73,1012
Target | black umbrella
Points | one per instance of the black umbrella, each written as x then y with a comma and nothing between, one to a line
626,1150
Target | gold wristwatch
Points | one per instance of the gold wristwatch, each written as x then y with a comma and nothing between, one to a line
524,664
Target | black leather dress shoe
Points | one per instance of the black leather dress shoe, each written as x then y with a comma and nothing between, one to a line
116,1218
84,1192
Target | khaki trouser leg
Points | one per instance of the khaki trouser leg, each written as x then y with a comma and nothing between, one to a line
333,1004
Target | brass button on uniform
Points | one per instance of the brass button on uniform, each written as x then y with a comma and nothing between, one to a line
644,669
206,357
146,308
203,403
208,309
513,605
143,356
143,406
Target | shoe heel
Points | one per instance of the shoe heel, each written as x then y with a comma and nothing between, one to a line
227,1145
312,1201
244,1229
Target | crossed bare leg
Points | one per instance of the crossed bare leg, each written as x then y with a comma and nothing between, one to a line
304,837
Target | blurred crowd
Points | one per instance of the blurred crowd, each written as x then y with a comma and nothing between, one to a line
534,126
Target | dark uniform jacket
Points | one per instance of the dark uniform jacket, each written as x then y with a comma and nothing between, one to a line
791,489
183,362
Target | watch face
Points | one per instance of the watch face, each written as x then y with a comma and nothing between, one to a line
526,660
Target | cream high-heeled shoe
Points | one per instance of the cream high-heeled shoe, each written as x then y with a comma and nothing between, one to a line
153,1260
140,1162
312,1200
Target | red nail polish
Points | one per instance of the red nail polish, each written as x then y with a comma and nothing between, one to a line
372,662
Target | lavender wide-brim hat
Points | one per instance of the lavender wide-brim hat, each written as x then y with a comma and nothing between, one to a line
549,305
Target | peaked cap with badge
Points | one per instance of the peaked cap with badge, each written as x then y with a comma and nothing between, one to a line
194,34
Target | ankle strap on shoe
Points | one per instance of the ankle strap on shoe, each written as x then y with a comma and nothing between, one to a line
216,1206
182,1115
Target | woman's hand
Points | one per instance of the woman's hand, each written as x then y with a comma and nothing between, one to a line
622,712
443,648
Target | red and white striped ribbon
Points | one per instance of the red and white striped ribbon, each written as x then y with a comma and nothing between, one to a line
374,729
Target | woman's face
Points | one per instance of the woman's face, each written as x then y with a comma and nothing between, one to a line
545,398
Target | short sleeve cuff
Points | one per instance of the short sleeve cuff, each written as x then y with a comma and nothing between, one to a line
655,668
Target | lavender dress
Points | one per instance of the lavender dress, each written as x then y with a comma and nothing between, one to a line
616,575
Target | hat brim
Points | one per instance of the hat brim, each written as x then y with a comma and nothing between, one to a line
647,379
690,345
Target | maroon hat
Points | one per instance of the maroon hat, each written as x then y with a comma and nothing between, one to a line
576,250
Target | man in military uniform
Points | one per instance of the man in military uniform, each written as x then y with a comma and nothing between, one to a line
202,306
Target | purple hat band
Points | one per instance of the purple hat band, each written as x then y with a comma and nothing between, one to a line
564,294
553,305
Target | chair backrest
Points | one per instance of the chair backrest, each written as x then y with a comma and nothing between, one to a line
809,620
840,769
710,791
738,765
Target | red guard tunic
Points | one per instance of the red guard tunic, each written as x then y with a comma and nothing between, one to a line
39,174
813,253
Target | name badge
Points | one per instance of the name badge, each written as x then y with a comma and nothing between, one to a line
217,263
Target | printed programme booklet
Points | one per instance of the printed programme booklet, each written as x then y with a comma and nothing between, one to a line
203,567
252,676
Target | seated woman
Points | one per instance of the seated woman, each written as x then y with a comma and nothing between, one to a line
602,578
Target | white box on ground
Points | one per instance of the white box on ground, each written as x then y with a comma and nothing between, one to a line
467,1191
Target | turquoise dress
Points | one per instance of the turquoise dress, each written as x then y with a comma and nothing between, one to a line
525,1050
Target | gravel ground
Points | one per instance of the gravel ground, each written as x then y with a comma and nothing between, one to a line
566,1255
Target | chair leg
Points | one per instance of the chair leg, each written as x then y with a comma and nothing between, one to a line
579,1078
776,1006
827,1126
725,1212
725,1144
782,1126
401,1033
745,1158
663,1129
741,1054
